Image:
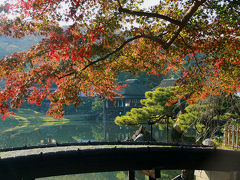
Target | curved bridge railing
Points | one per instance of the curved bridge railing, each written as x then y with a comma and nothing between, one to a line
61,159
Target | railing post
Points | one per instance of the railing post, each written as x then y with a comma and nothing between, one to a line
225,135
151,133
229,135
167,129
131,175
237,137
233,136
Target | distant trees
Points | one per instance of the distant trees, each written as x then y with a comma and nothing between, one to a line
97,105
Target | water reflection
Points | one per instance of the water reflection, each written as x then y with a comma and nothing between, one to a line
30,127
121,175
97,176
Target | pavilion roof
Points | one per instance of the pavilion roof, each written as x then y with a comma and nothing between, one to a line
134,88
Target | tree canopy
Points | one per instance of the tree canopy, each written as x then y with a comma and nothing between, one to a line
209,115
102,38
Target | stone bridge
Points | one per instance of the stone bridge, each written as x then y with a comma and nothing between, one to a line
61,159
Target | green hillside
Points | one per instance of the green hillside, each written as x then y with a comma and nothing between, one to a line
10,45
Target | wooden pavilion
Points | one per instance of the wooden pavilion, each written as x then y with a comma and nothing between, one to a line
129,97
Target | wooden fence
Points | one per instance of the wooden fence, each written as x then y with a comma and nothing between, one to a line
231,136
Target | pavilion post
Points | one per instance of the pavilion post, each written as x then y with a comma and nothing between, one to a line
131,174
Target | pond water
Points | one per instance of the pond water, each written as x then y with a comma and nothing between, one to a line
30,127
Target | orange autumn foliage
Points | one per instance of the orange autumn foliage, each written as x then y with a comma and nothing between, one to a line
103,38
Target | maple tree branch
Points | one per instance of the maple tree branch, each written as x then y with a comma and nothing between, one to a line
44,51
118,1
193,8
165,45
191,48
111,53
154,38
148,14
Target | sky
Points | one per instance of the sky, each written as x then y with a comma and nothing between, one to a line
2,1
146,3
